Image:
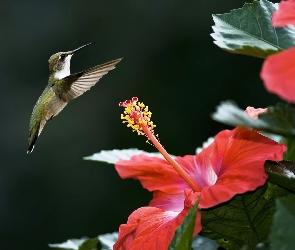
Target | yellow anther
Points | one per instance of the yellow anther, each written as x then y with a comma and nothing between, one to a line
138,117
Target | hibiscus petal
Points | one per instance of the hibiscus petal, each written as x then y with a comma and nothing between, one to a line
154,173
285,15
205,167
242,167
200,169
153,228
172,202
278,74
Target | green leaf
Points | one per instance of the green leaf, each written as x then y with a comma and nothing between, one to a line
249,31
102,242
204,243
290,153
282,231
78,244
90,244
112,156
281,173
183,236
279,119
244,220
107,241
262,246
229,113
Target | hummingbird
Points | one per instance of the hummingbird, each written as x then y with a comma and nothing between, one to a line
62,87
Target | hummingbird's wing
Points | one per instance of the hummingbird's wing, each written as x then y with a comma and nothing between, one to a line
76,84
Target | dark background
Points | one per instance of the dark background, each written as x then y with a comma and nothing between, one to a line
170,63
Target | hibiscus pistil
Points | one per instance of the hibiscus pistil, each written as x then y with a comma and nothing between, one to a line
138,117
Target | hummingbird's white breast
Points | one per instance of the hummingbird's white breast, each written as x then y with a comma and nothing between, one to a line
65,71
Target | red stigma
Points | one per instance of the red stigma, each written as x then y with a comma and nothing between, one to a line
127,102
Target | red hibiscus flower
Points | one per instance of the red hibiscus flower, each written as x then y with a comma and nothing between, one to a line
278,73
285,15
232,164
278,70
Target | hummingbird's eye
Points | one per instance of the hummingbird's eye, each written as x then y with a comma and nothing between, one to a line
62,56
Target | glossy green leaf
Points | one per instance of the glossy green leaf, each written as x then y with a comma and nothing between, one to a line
203,243
289,155
279,119
249,31
107,241
90,244
102,242
281,173
183,236
112,156
283,229
78,244
262,246
243,221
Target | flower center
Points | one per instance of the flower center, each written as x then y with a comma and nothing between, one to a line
138,117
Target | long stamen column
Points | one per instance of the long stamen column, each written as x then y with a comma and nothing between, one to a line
138,117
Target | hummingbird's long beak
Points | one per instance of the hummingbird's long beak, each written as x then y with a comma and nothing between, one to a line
83,46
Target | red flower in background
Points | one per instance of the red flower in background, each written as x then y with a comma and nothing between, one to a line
278,74
278,71
285,15
232,164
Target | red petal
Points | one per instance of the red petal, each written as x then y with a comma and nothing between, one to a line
278,74
153,228
205,167
172,202
154,173
285,15
242,167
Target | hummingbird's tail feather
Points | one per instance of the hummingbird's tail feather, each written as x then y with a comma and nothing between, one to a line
34,134
32,141
32,144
